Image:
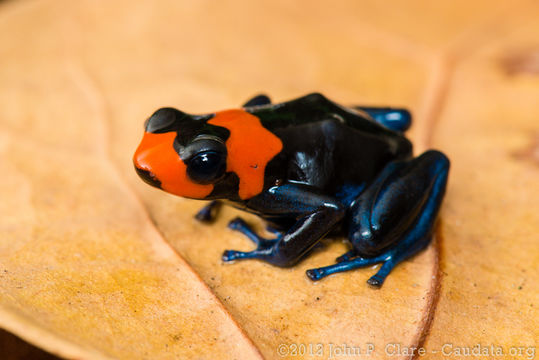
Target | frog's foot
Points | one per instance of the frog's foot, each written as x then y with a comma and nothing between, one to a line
389,259
240,225
209,212
263,250
263,246
344,265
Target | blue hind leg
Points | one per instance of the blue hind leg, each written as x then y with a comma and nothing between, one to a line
394,119
393,219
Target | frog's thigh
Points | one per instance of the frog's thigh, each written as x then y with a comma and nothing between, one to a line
400,207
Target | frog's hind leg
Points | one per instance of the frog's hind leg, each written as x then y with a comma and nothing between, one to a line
394,217
394,119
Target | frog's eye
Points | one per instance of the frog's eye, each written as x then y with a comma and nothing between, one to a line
206,167
205,158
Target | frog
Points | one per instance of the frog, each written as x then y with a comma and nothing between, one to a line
310,168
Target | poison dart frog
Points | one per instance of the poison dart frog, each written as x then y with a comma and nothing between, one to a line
308,167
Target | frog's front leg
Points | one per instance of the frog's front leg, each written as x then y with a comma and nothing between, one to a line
238,224
316,215
394,217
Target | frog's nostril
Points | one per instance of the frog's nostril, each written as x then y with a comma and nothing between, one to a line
148,177
161,121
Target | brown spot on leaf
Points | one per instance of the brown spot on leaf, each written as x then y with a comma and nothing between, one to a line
531,151
522,62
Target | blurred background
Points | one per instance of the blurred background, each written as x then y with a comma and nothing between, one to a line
78,78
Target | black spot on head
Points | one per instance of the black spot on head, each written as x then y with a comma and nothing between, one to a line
163,120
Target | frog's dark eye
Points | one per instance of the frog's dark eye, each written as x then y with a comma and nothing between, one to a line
205,158
206,167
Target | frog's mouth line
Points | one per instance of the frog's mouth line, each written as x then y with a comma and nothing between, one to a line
148,177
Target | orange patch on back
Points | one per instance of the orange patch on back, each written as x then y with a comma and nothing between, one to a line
156,154
250,147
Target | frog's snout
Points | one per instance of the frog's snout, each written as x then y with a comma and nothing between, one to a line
147,158
146,175
158,164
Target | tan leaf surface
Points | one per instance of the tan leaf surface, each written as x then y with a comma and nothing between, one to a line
490,252
92,260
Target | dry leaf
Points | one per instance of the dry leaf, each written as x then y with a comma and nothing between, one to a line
95,264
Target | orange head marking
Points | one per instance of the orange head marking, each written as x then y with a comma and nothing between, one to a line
159,164
250,147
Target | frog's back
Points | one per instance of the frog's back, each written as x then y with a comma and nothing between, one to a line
326,145
314,108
